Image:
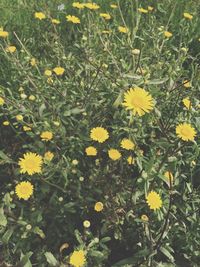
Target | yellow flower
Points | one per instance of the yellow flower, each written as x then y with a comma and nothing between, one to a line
142,10
78,5
185,131
113,6
130,160
48,156
19,117
167,34
99,134
75,162
98,206
186,84
46,136
114,154
105,16
127,144
91,151
187,15
3,34
31,97
31,163
73,19
187,103
138,100
77,259
153,200
150,8
86,224
6,123
169,177
50,80
2,101
55,21
33,62
144,218
136,51
123,29
11,49
59,71
24,190
56,123
39,15
48,73
26,128
92,6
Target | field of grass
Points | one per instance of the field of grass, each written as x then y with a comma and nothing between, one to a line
99,133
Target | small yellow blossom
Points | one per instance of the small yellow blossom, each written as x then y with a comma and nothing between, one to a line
130,160
78,5
99,134
48,156
98,206
77,259
26,128
6,123
86,224
167,34
153,200
123,29
55,21
2,101
187,84
59,71
73,19
48,73
144,218
142,10
92,6
186,132
91,151
32,97
30,163
46,136
11,49
3,34
39,15
56,123
187,16
127,144
33,62
105,16
150,8
187,103
113,6
24,190
169,177
19,118
114,154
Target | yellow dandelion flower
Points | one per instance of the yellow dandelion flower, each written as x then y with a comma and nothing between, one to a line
114,154
26,128
123,29
73,19
105,16
32,97
55,21
86,224
2,101
98,206
153,200
39,15
33,62
6,123
187,16
187,84
91,151
138,100
142,10
130,160
49,72
11,49
59,71
150,8
113,6
187,103
46,136
167,34
77,259
127,144
92,6
99,134
48,156
185,131
78,5
24,190
19,118
144,218
3,34
30,163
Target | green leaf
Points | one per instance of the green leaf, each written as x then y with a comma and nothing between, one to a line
51,259
3,220
25,262
167,254
7,235
158,81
